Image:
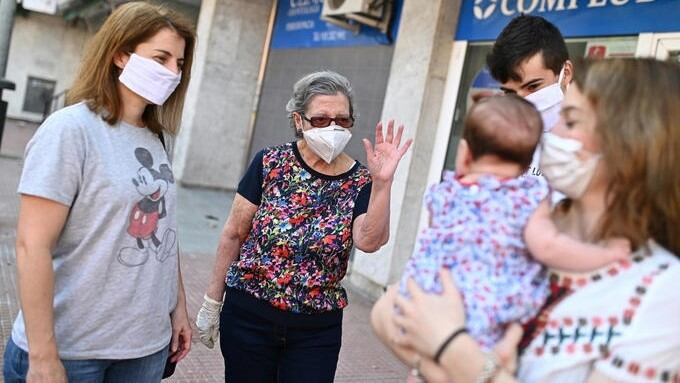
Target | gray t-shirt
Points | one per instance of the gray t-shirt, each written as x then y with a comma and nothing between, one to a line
115,262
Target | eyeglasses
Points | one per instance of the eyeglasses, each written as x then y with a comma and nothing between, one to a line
322,122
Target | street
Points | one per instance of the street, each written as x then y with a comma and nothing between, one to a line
201,214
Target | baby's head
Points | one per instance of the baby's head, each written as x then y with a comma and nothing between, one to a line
500,136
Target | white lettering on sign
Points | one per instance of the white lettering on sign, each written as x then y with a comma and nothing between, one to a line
299,25
549,5
304,3
330,36
482,12
505,10
616,3
523,8
597,3
513,7
304,7
304,11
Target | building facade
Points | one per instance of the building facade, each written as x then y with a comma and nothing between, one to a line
45,51
419,72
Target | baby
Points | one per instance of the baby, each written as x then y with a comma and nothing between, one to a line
492,228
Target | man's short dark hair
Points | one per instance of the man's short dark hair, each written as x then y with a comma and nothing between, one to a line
521,39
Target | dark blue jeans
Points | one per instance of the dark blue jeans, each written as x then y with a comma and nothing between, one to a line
262,344
147,369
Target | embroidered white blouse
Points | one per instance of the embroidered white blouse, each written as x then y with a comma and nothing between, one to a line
622,321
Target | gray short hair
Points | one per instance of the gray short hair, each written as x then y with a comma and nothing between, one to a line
324,82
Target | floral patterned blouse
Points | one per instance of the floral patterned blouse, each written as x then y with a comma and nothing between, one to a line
476,231
299,244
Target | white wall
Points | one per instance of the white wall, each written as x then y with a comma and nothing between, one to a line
42,46
212,147
49,47
414,95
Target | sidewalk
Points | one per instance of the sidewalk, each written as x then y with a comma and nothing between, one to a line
200,217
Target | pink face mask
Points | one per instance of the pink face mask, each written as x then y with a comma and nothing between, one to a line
149,79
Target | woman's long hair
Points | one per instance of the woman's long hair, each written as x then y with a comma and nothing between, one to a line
128,26
637,103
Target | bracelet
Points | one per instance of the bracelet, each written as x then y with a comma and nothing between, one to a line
490,368
415,370
446,342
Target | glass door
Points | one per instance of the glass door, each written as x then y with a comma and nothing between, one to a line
662,46
668,48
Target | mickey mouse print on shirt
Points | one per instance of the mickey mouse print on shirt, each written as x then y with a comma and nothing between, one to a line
143,221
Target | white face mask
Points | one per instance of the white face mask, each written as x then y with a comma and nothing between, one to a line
561,165
149,79
327,142
548,101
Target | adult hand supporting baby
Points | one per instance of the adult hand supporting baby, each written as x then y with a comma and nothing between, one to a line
428,319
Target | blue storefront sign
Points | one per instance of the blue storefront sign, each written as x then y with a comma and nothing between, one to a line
299,25
483,80
484,19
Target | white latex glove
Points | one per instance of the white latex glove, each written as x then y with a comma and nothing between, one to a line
208,321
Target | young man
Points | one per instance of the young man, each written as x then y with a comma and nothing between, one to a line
530,58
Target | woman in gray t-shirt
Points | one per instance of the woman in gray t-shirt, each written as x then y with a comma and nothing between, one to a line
100,285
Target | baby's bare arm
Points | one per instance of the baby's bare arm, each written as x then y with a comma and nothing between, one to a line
560,251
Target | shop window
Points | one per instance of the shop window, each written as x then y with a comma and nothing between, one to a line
39,92
475,76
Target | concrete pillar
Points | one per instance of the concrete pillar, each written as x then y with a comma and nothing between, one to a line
414,97
212,146
7,8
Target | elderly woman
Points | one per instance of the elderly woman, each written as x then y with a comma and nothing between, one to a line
102,298
285,246
620,323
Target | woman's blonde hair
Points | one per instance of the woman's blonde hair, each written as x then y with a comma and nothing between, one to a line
128,26
637,103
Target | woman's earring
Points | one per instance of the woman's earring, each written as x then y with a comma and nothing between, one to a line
298,129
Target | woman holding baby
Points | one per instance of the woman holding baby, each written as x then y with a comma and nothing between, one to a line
620,322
